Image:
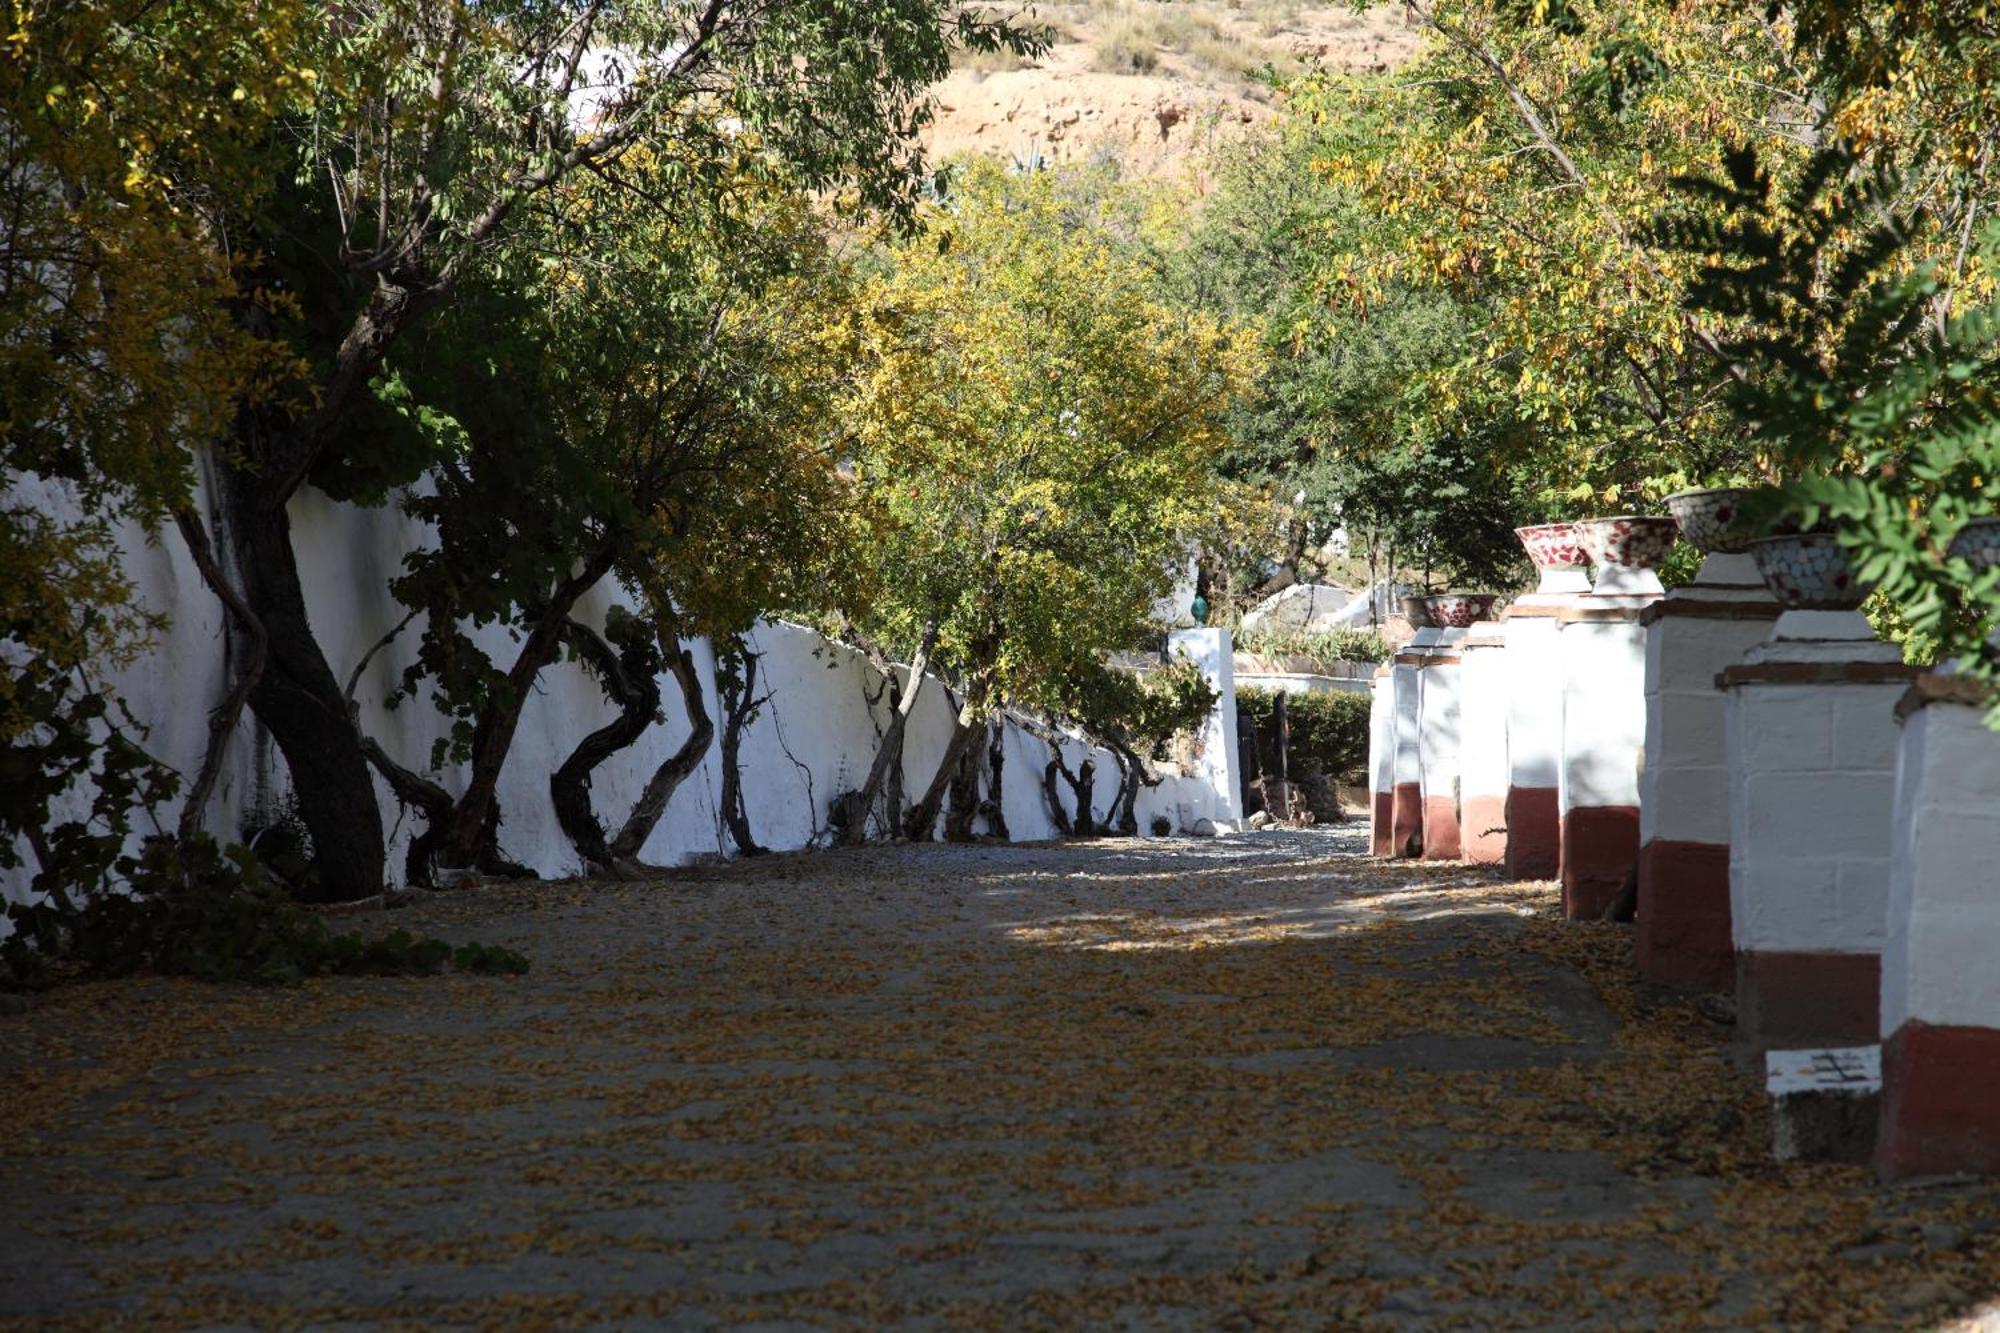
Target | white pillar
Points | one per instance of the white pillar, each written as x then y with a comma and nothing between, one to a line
1692,635
1603,737
1812,752
1406,825
1483,767
1382,762
1212,651
1940,1005
1438,744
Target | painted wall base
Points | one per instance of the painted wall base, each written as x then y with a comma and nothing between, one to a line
1381,823
1940,1101
1441,835
1786,1001
1483,830
1534,833
1683,934
1600,846
1406,824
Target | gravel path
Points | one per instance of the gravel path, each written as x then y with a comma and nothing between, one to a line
1249,1081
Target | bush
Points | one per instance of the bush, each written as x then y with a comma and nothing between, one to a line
200,910
1127,48
1322,646
1329,733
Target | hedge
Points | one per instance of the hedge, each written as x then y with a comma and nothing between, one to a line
1329,732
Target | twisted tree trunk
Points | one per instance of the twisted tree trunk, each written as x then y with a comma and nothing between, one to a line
738,690
676,767
637,695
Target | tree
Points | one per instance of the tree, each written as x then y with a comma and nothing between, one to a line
1035,433
432,133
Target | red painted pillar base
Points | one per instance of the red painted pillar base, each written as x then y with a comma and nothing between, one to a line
1482,833
1534,833
1788,1001
1940,1101
1381,825
1600,847
1683,932
1441,839
1406,824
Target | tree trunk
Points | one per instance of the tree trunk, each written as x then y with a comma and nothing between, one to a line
1053,796
638,699
994,807
1085,820
963,796
468,833
923,817
676,767
301,704
239,620
890,752
739,700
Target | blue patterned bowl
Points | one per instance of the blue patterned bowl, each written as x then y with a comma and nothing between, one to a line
1809,571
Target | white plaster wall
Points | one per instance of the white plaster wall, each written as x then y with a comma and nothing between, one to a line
1382,734
1533,666
1811,789
1684,782
1942,930
1438,723
1220,766
813,739
1483,765
1406,683
1604,713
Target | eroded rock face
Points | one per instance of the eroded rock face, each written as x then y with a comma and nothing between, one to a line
1306,606
1156,122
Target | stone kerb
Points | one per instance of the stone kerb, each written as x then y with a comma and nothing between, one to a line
1940,994
1484,770
1382,763
1811,741
1438,717
1691,635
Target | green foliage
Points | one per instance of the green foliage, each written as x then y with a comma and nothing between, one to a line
1881,413
1322,646
1329,732
200,910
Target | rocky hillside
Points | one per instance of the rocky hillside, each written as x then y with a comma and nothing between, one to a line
1153,83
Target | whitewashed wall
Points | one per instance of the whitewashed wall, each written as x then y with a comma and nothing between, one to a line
813,739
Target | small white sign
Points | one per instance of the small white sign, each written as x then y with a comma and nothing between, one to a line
1855,1069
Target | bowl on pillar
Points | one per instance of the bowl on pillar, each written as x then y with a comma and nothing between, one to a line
1535,698
1809,571
1708,522
1627,549
1559,559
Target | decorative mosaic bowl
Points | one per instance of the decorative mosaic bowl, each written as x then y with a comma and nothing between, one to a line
1552,545
1417,611
1978,542
1459,610
1808,571
1630,541
1705,515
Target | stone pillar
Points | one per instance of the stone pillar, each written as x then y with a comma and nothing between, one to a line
1533,667
1604,736
1212,651
1406,826
1692,635
1940,998
1438,744
1382,763
1811,734
1482,744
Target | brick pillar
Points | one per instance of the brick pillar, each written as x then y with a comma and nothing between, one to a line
1438,744
1482,745
1382,763
1940,998
1812,752
1692,635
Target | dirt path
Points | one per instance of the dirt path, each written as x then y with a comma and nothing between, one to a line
1253,1081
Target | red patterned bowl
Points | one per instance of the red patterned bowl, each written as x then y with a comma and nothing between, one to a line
1459,610
1552,545
1631,541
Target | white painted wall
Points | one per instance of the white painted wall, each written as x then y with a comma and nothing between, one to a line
813,739
1483,765
1382,733
1942,932
1604,713
1684,783
1438,722
1533,665
1217,792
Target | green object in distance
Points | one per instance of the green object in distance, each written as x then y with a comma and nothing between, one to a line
1198,608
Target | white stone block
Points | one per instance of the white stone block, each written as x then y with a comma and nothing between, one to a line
1533,665
1212,651
1604,713
1788,729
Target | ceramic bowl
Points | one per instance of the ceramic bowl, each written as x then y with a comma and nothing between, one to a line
1631,541
1705,517
1552,545
1978,543
1459,610
1417,612
1808,571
